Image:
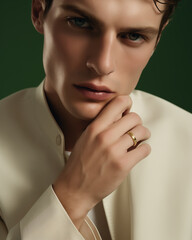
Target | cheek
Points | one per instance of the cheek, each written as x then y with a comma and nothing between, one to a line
70,49
63,51
138,59
132,64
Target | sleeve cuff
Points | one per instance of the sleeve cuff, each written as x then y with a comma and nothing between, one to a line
47,219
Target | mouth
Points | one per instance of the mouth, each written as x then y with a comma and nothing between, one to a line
94,92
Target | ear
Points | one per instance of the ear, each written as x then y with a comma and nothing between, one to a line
37,14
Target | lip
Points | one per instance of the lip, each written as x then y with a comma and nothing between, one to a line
94,87
94,92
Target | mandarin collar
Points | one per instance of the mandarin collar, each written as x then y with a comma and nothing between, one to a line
46,120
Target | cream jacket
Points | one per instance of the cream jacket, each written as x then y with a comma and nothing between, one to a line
153,203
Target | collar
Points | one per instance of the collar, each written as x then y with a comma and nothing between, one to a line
46,121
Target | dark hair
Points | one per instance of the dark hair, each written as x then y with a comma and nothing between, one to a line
170,6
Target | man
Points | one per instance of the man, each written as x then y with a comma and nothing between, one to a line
67,147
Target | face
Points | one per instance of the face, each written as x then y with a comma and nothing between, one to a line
95,50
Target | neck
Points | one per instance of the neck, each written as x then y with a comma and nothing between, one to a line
71,127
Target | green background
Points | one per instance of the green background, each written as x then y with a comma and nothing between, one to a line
168,74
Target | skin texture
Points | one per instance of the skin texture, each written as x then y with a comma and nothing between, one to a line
112,50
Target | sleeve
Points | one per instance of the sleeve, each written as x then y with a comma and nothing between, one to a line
47,219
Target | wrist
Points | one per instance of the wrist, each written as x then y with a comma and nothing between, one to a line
75,205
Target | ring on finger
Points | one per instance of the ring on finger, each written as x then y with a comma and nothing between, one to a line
134,139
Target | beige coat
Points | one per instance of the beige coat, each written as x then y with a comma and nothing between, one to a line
153,203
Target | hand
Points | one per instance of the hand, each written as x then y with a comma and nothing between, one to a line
101,158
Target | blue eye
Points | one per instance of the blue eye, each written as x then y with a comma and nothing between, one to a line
135,37
79,22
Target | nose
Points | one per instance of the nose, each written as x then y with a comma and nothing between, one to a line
101,57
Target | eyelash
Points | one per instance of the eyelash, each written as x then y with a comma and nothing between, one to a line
90,27
133,34
71,22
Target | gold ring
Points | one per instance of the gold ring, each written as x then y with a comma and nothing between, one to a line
133,138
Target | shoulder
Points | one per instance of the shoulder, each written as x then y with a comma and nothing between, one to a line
15,108
15,111
151,107
15,99
170,125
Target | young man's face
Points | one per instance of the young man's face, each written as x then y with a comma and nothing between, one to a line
99,44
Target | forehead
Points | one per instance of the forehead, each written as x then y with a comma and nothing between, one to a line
114,12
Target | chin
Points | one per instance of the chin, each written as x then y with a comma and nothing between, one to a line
87,111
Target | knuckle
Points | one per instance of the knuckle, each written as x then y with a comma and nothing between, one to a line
124,100
118,165
102,139
136,118
91,129
147,133
121,100
113,157
130,101
146,149
144,132
112,153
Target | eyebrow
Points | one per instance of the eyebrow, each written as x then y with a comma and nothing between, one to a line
81,12
94,20
144,30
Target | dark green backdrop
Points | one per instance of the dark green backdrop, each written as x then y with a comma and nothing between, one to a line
168,75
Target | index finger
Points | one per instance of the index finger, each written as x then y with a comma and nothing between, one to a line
112,112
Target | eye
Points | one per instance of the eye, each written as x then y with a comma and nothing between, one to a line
79,22
133,37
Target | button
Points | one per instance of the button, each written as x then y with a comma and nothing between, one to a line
58,140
